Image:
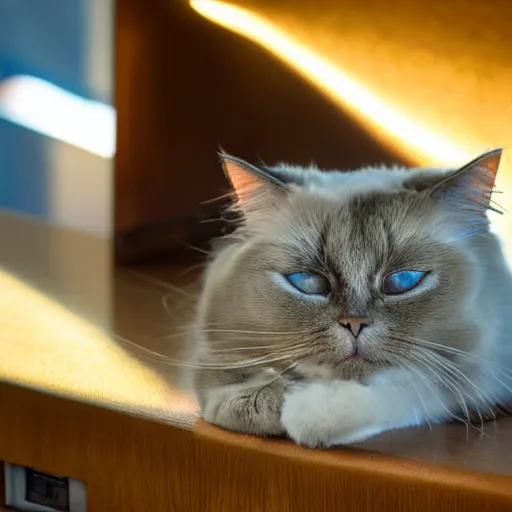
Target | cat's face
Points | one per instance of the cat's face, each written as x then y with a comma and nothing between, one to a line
345,276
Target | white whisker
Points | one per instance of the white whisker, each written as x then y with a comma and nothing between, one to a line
457,372
256,333
159,282
463,353
432,388
451,350
446,380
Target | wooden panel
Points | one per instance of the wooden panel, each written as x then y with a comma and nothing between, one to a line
2,484
186,87
132,464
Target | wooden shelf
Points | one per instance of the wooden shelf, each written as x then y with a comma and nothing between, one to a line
76,402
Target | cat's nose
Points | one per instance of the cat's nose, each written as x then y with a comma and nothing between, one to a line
354,325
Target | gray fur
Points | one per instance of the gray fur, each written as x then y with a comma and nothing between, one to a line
269,361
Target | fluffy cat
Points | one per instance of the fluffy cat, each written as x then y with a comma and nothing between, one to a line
346,304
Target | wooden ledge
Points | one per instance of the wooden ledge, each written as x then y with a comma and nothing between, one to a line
135,464
76,402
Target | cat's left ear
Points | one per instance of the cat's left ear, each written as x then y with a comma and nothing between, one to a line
472,183
255,190
468,188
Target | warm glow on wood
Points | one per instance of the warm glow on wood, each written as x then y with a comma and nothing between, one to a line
429,112
45,346
414,140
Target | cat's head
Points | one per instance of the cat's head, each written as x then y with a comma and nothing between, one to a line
348,270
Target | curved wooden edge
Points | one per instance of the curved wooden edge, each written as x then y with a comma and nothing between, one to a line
134,464
367,464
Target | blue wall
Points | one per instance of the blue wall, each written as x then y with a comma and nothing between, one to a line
46,39
24,169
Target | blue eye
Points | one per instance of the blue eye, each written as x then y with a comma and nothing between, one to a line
310,284
402,282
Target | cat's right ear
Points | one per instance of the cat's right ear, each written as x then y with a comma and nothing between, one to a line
255,190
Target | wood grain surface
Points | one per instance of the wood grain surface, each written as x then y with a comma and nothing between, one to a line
133,464
185,87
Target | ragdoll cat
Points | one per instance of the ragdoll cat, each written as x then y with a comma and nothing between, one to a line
346,304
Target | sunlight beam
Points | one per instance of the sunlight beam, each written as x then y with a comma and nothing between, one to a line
413,140
47,109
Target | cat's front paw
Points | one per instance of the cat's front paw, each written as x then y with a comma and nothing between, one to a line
250,408
322,414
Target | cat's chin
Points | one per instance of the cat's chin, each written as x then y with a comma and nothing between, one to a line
355,368
351,368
